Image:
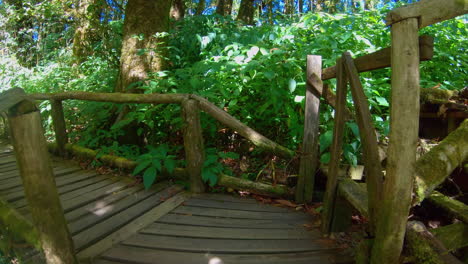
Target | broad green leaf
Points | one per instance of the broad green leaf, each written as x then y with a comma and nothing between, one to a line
354,128
170,165
156,163
325,140
149,177
141,166
325,158
382,101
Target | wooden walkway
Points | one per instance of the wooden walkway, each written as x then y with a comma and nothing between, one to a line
115,221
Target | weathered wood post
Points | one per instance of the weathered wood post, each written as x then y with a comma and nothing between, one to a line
404,121
193,144
39,184
374,178
60,129
338,129
309,158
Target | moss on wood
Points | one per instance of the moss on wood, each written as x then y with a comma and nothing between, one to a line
437,164
453,236
435,95
254,187
18,225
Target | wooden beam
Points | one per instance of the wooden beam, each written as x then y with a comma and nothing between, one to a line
428,12
10,98
336,149
355,194
193,144
382,58
39,184
404,121
436,165
133,227
256,138
453,236
375,177
426,248
60,129
451,206
309,157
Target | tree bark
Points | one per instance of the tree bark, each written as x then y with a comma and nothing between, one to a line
246,12
142,44
200,7
178,10
289,7
224,7
87,16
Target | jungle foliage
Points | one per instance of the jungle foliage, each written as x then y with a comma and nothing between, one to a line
256,73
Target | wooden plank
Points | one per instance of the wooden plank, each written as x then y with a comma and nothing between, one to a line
382,58
228,233
335,150
127,222
60,181
17,197
453,207
193,144
58,171
454,236
401,154
215,212
98,205
374,171
236,206
355,195
224,197
104,212
209,221
424,12
309,156
81,195
129,254
7,160
214,245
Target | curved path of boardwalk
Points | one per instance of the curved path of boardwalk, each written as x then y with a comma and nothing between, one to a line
113,220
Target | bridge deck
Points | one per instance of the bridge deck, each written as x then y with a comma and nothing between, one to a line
114,221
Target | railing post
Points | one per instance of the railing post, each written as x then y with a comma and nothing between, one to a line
193,144
404,122
39,183
60,128
335,150
309,158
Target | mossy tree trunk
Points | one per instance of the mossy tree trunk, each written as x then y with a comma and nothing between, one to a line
200,7
246,11
142,44
87,13
224,7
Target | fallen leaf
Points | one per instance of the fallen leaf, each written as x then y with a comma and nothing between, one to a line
286,203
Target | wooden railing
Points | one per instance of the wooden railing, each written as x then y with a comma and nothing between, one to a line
387,200
35,169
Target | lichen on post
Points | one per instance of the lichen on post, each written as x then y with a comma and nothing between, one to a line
193,144
39,183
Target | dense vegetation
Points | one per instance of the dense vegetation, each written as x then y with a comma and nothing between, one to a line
255,72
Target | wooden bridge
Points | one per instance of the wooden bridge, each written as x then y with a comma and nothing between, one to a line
113,220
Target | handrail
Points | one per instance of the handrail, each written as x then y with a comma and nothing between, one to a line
222,116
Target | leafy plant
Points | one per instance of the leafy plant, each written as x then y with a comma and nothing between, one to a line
153,163
212,166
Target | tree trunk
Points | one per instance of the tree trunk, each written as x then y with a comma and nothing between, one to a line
289,7
301,6
200,7
87,18
178,10
144,20
246,11
228,7
220,7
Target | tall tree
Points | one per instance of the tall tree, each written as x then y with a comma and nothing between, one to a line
246,11
87,24
142,45
289,7
224,7
200,7
178,9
